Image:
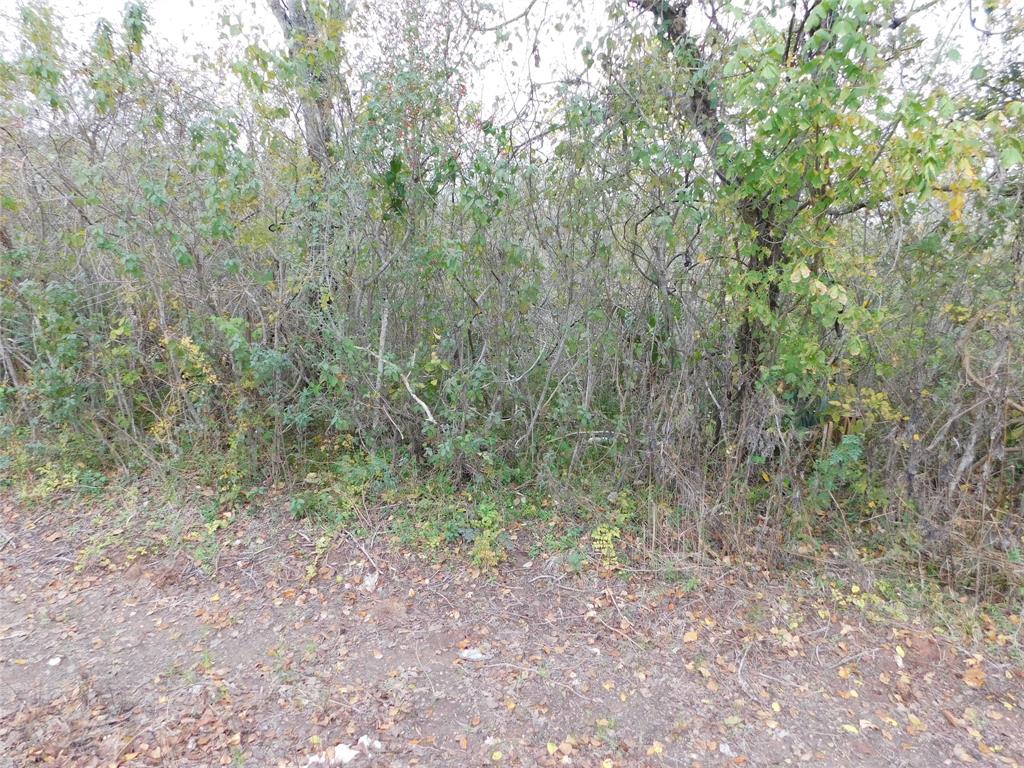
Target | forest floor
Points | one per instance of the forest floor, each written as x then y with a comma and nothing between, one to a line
281,650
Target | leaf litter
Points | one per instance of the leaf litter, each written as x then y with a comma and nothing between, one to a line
156,662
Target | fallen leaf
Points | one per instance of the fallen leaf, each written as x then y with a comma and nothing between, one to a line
974,677
962,755
915,725
953,720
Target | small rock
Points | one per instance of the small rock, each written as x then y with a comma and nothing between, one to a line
367,743
472,654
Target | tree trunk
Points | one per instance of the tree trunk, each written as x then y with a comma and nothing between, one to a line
299,30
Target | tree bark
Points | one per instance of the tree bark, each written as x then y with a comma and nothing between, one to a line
701,112
317,107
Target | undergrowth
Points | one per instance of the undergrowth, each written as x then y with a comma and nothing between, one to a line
586,524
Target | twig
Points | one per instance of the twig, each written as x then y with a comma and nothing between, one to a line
779,680
430,680
617,631
362,549
408,386
855,656
739,674
621,615
441,595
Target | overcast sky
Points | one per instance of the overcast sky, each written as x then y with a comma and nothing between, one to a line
191,26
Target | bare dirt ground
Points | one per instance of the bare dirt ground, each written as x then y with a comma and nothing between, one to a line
113,657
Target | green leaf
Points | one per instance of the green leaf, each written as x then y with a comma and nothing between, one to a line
1010,156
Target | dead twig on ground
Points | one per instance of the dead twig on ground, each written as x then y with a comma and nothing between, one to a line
362,549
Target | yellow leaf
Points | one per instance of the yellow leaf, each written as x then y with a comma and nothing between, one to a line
656,748
552,747
974,677
800,272
776,707
496,756
691,636
850,728
956,207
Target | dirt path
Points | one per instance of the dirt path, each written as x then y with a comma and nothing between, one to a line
162,663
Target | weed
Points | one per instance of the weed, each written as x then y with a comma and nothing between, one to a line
487,535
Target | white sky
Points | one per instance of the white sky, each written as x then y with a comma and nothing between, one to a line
192,26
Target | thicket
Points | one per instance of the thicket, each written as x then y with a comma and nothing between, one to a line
760,260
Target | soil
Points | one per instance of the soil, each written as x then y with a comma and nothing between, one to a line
279,651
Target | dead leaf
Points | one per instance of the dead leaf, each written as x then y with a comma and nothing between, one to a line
953,720
962,755
974,677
